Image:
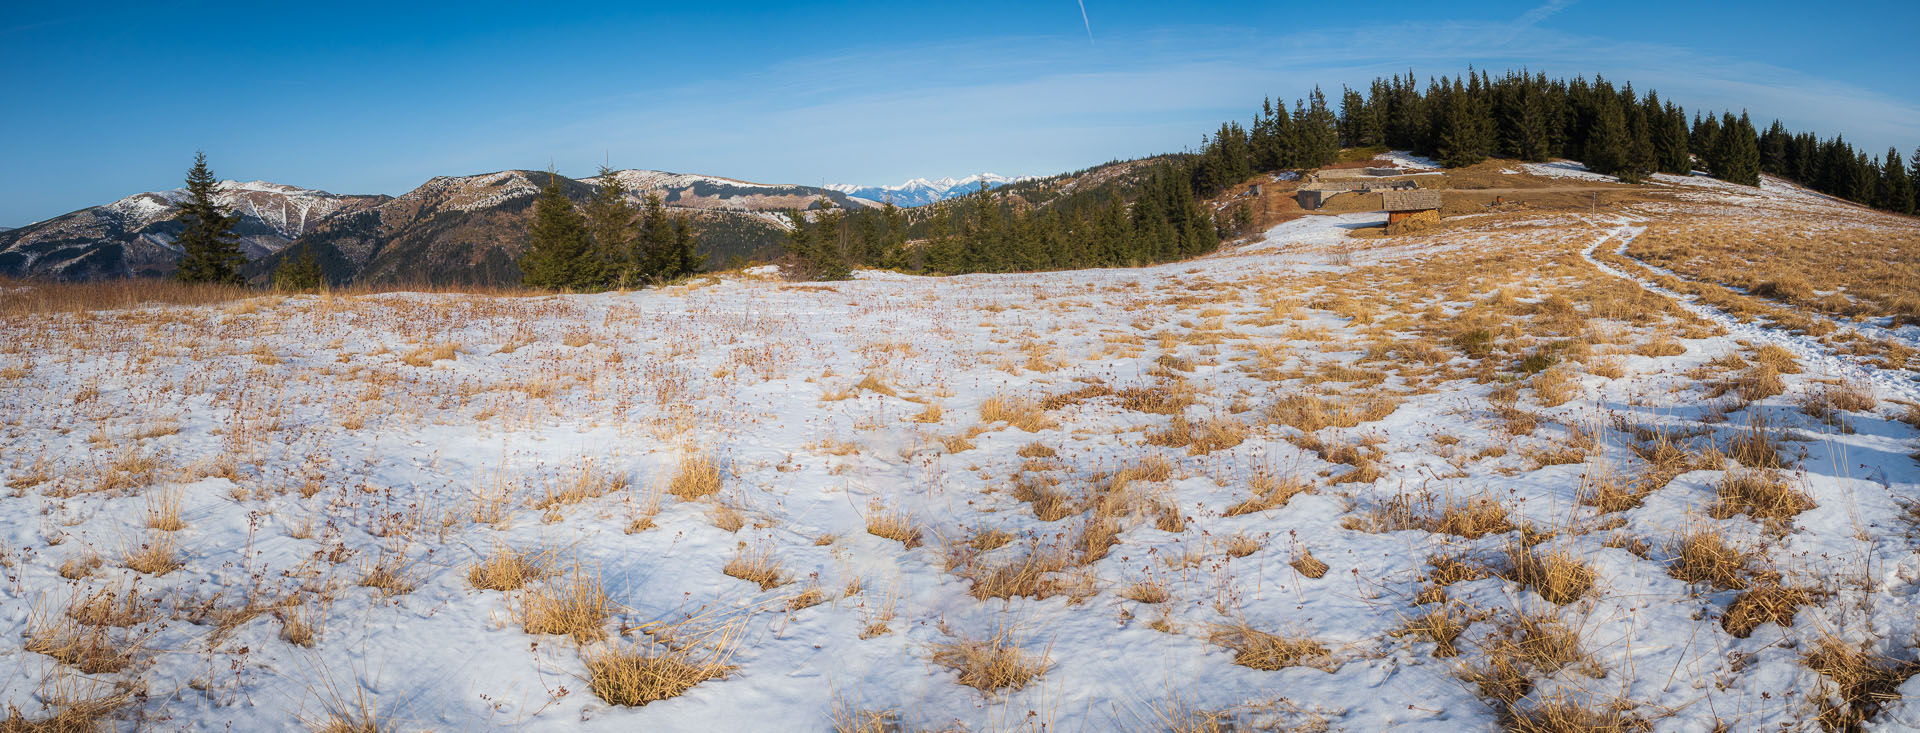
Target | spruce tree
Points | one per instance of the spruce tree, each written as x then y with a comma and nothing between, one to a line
1670,142
654,252
1913,178
1321,137
1607,149
210,252
1896,189
813,248
687,259
1641,160
1353,119
1458,143
1524,123
299,273
1736,151
610,220
1704,138
559,254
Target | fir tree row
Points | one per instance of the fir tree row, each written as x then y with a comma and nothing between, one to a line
1463,120
609,245
996,231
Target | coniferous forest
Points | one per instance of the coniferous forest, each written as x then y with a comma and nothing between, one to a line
1158,214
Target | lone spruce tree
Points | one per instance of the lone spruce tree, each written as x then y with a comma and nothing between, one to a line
559,257
210,253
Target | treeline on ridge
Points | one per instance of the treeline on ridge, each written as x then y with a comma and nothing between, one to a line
1458,121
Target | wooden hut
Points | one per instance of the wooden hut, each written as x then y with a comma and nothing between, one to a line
1405,204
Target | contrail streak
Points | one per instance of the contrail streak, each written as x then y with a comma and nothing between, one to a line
1083,19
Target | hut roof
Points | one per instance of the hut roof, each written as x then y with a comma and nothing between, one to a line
1417,200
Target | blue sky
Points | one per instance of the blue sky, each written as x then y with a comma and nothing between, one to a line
352,97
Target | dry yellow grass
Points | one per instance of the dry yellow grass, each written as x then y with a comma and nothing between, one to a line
1310,413
1555,386
509,569
632,676
1022,413
894,525
1862,682
572,604
1763,603
87,648
1256,649
1028,574
389,573
1703,556
1469,518
1602,490
578,485
1440,627
1308,565
757,567
1167,397
154,556
1760,494
163,511
698,476
1147,591
996,662
1207,437
1557,576
1563,714
1790,260
932,414
1526,646
425,356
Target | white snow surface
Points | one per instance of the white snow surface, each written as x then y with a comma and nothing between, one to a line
1566,169
765,378
1406,159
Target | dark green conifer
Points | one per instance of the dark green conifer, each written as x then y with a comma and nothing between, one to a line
210,252
299,272
559,252
610,220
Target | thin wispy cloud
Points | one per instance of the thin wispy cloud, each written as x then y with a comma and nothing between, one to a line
1533,17
1085,21
1045,107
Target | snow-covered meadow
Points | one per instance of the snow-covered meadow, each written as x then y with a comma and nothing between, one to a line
1478,477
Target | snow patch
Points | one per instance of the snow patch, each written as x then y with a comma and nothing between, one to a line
1406,159
1566,169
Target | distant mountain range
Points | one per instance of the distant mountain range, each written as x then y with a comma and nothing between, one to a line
135,235
920,191
452,229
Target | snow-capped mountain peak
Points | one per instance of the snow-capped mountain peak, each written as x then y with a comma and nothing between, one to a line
921,191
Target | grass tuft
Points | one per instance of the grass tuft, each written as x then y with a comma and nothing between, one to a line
574,605
1256,649
997,662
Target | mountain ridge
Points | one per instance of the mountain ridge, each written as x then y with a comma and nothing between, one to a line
454,228
922,192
